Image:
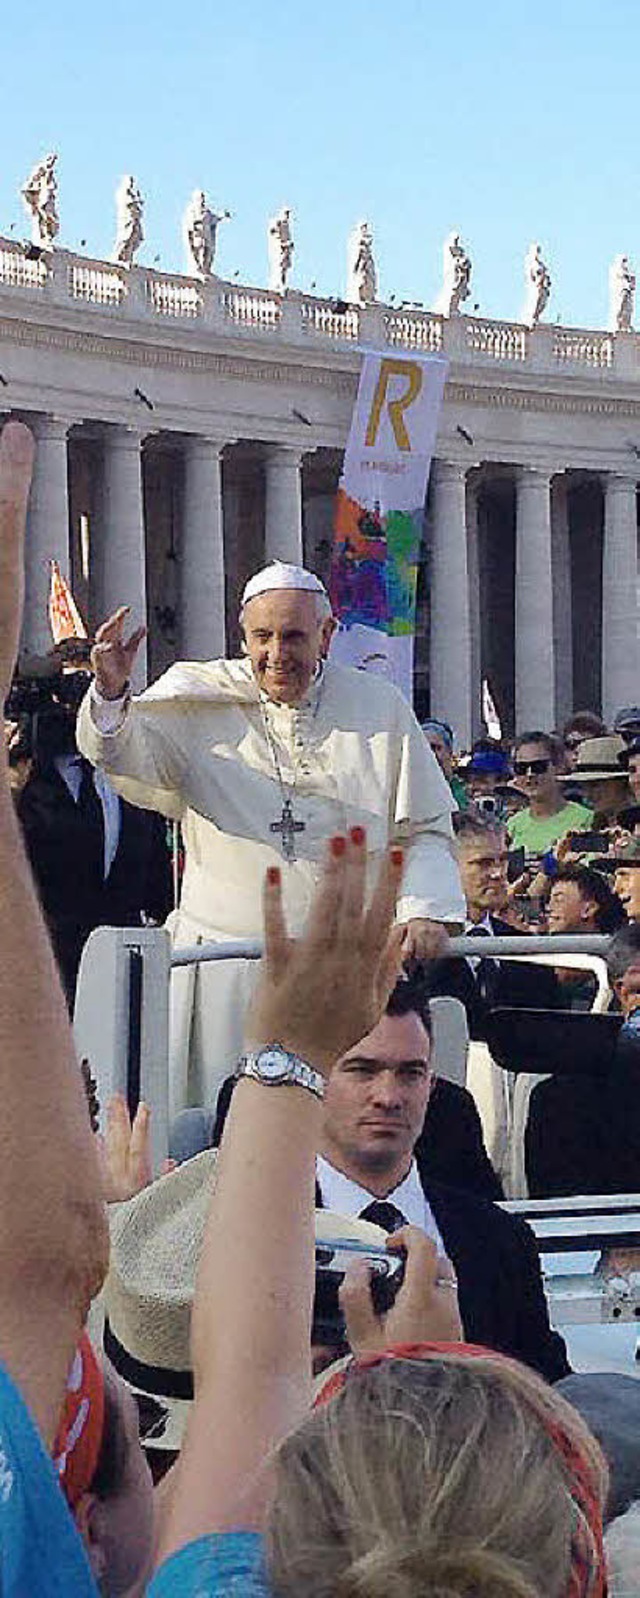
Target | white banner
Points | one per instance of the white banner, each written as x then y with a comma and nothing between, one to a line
379,510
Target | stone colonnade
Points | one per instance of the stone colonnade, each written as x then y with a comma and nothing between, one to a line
542,598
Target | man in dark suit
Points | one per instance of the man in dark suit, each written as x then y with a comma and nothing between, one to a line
484,983
375,1105
96,860
449,1147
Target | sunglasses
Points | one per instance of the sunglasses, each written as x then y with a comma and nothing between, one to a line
572,743
533,768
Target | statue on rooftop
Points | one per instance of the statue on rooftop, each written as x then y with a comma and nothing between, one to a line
622,292
362,278
200,231
130,232
538,285
456,276
281,247
40,195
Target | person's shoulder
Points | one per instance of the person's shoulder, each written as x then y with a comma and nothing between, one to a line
578,812
483,1217
202,681
366,686
220,1564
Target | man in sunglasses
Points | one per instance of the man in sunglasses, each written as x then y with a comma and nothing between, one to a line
548,816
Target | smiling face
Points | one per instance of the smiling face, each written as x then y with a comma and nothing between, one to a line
540,785
570,910
627,887
285,639
376,1101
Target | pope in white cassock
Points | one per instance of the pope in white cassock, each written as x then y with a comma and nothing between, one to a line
262,759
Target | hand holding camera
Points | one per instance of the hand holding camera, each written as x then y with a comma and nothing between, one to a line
425,1309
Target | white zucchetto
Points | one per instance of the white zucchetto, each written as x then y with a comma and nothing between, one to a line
279,574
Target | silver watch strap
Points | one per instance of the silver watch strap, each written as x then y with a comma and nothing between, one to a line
299,1074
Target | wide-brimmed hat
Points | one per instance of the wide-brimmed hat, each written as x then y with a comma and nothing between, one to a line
156,1240
598,759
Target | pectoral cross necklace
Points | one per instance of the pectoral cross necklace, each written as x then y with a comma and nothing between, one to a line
288,826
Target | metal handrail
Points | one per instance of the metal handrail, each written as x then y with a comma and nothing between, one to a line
464,946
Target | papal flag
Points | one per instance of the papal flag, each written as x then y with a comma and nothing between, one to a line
65,620
379,512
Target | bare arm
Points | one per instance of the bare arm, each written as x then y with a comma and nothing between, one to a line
53,1239
251,1340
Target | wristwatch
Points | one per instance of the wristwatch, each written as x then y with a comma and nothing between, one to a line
276,1068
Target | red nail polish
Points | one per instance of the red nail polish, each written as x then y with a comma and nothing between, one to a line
397,857
273,876
358,835
338,846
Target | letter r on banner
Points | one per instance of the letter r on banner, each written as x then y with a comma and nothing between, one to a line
390,367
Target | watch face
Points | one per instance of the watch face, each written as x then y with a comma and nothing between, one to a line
272,1065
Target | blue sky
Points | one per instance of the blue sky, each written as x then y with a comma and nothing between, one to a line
511,122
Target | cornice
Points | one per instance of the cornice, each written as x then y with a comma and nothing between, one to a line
304,369
170,358
509,398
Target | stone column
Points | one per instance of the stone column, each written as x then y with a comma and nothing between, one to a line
450,669
535,665
122,568
202,592
283,505
473,568
562,599
47,530
620,623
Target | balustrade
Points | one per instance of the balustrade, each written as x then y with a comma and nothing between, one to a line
18,272
96,284
414,331
174,297
251,308
584,349
501,340
297,316
321,316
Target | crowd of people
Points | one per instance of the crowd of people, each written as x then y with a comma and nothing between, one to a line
419,1430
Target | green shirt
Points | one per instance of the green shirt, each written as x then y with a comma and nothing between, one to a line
537,834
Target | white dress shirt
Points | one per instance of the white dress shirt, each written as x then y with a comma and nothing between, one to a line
339,1193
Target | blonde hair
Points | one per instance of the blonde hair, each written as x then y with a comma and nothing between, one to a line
435,1476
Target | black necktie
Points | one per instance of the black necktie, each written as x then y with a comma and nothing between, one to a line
388,1216
88,802
486,968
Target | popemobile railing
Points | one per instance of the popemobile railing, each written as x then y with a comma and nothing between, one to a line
121,1025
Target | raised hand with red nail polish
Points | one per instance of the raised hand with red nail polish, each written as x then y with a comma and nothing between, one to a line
322,992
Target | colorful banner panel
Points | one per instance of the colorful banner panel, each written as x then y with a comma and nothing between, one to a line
379,511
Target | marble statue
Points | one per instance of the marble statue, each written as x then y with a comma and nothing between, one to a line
622,291
200,230
456,276
130,233
280,250
538,286
40,194
362,279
